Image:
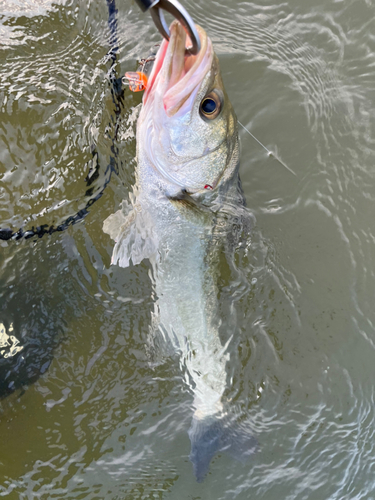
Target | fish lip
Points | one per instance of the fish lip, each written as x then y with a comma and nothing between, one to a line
174,71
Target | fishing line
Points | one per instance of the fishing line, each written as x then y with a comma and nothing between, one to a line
117,93
272,155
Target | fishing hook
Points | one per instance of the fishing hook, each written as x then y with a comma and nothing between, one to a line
177,11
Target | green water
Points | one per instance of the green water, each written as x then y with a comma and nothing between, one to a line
108,417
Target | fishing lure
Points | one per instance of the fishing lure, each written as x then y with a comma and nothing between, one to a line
136,80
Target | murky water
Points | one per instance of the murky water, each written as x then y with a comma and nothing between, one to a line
104,419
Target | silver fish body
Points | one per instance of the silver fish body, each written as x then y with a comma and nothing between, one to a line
187,188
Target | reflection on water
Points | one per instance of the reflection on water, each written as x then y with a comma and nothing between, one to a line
9,344
109,415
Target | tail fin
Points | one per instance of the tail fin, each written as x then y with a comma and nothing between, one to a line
211,436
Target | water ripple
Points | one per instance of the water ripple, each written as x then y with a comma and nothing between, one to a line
109,417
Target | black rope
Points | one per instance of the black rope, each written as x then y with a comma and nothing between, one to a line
117,93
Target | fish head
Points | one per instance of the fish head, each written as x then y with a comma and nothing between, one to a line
187,127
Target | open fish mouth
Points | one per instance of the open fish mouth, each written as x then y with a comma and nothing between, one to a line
186,124
176,76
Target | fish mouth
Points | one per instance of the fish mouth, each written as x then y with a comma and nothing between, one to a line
176,74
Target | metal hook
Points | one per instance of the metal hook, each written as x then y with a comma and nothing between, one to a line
179,12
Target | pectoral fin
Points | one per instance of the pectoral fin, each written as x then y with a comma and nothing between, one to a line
133,235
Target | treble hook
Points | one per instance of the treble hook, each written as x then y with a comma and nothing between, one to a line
179,12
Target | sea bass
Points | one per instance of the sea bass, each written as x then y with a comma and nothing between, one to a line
184,201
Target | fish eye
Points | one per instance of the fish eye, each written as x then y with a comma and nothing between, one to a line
210,106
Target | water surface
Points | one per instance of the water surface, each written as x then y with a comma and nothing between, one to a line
108,417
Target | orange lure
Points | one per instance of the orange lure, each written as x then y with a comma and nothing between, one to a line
136,80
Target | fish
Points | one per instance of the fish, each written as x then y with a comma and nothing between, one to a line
181,214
